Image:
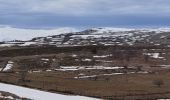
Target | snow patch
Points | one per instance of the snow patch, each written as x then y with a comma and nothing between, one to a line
75,68
154,55
8,66
37,94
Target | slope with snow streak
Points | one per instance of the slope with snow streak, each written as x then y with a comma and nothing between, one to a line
38,95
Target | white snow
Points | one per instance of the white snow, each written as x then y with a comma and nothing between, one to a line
48,70
111,29
143,72
8,66
163,29
154,55
37,94
44,59
74,55
82,77
37,71
9,33
28,43
103,56
157,30
112,74
89,36
165,66
6,45
74,68
6,97
87,59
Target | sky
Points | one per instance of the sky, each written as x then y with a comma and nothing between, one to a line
84,13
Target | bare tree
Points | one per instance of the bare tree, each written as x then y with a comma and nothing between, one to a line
55,64
146,58
139,68
158,82
23,74
107,79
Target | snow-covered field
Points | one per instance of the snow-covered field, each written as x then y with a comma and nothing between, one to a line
9,33
37,94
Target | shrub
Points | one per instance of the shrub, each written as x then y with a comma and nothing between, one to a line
158,82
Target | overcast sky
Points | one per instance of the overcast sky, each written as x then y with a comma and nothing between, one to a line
84,13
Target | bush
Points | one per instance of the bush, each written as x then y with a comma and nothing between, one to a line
158,82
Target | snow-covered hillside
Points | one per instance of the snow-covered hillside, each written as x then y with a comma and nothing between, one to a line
111,29
38,95
94,36
9,33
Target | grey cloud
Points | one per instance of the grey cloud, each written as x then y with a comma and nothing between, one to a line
86,7
52,13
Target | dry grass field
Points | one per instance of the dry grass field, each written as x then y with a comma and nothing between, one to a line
123,73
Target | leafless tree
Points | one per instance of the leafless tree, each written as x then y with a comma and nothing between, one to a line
23,74
158,82
146,58
138,68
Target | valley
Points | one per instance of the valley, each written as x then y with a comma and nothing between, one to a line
126,65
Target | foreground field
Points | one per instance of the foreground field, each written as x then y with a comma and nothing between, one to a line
102,72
